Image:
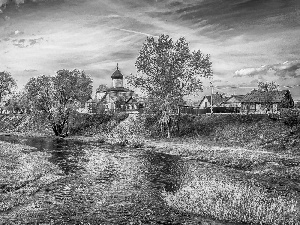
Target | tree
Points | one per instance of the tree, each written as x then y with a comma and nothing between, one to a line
7,83
267,86
101,88
168,71
58,97
17,103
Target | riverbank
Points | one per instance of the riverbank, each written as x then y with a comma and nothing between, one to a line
225,184
242,185
252,166
108,186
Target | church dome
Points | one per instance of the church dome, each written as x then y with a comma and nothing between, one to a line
117,74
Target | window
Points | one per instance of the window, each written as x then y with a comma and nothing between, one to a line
205,105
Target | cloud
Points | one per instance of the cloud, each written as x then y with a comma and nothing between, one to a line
24,43
280,70
3,3
30,70
135,32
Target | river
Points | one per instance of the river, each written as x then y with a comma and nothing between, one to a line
101,184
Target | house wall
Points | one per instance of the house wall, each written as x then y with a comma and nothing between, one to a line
258,108
202,105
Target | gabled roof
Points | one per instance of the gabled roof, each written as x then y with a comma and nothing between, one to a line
257,96
237,97
216,99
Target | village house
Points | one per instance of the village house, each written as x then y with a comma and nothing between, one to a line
115,98
217,99
234,102
260,102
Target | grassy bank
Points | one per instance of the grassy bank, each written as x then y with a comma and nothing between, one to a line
249,165
23,173
212,192
236,184
248,173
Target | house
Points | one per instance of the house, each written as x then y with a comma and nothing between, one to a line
262,102
233,102
115,98
217,99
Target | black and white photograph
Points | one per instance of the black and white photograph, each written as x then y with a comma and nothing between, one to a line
139,112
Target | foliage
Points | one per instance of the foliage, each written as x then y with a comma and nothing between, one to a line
252,131
89,124
7,83
17,103
291,117
102,87
129,132
58,97
168,71
267,86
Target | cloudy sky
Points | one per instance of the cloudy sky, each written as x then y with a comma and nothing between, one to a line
248,40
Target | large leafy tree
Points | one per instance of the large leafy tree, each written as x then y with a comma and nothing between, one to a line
7,84
58,97
167,71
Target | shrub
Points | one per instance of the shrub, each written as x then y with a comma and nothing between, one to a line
89,124
291,117
129,132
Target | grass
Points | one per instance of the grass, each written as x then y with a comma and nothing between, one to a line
218,196
235,183
22,174
234,157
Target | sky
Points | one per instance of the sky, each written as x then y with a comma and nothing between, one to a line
248,40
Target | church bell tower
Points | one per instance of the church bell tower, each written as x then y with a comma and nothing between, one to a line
117,78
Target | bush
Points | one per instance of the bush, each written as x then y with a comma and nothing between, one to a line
89,124
130,132
291,117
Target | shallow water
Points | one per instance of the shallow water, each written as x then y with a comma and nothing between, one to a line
101,184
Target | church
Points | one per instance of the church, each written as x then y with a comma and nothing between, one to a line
117,98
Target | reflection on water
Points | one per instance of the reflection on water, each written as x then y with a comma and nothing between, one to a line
66,154
105,186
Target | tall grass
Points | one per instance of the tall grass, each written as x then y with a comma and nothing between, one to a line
130,132
220,198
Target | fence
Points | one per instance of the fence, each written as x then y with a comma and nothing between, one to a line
197,111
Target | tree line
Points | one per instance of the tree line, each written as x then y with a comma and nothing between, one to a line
167,71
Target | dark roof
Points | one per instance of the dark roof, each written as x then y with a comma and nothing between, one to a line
117,74
257,96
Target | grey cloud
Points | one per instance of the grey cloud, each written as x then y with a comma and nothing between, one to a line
282,70
30,71
24,43
4,3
